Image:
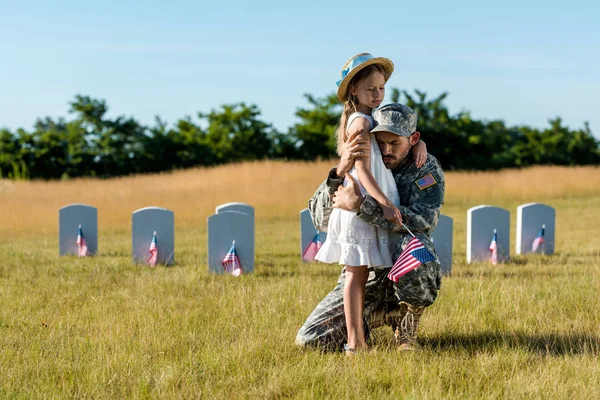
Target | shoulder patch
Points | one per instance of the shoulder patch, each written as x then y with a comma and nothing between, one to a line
426,181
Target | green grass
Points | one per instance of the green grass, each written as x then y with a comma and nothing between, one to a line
101,327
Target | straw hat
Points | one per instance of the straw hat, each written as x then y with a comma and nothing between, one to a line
357,63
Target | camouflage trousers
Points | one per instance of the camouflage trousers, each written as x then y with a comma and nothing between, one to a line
325,327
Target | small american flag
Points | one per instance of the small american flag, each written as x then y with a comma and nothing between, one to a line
312,249
231,262
539,239
411,257
494,248
426,181
153,251
81,245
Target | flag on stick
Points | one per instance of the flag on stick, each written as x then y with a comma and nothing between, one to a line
231,262
312,249
411,257
539,240
153,251
81,245
494,248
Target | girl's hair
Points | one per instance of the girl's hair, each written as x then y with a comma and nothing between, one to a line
351,105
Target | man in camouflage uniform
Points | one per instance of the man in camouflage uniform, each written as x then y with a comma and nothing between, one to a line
421,190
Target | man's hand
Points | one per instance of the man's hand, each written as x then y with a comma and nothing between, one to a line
355,147
348,197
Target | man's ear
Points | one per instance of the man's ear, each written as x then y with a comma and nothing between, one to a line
414,138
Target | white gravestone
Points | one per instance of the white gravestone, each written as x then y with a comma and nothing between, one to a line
308,231
144,222
69,219
234,206
442,238
223,229
481,222
530,218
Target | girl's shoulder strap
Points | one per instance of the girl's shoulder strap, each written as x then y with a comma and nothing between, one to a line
355,115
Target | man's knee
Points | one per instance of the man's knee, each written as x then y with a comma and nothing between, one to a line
324,337
303,339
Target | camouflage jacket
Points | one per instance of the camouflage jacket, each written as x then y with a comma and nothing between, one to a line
421,196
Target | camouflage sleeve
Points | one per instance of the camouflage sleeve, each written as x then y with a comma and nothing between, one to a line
423,209
319,204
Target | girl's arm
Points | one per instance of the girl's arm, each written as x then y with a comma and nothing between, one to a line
365,177
420,153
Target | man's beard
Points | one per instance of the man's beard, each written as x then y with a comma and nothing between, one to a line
392,162
389,162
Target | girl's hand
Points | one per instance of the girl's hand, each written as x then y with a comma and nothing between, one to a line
391,213
420,153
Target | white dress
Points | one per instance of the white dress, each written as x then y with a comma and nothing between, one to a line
350,240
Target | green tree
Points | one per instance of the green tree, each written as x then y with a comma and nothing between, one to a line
183,146
236,133
315,133
91,144
49,151
561,146
117,145
9,153
446,136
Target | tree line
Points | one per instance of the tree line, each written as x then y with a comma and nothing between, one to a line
91,144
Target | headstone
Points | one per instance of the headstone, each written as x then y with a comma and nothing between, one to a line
144,222
308,231
481,222
223,229
442,238
234,206
530,219
69,219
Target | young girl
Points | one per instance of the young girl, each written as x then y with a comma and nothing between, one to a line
351,241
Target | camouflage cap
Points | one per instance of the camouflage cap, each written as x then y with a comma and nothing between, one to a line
395,118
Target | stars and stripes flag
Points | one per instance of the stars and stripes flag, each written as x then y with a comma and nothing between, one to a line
81,245
411,257
494,249
312,249
231,262
153,251
539,239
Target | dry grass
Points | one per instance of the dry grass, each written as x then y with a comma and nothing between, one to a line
103,328
526,185
277,190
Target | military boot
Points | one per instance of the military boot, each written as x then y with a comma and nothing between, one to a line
406,331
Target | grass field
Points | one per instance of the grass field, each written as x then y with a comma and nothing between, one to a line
101,327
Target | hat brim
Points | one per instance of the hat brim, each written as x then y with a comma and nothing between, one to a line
391,129
386,63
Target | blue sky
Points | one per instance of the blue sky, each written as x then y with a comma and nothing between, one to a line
523,62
